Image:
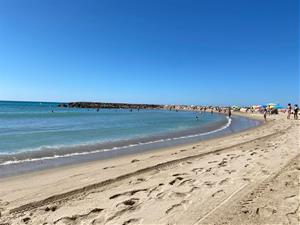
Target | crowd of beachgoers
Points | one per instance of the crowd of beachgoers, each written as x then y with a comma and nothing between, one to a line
270,108
265,110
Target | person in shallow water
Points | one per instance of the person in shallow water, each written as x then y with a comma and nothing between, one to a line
229,112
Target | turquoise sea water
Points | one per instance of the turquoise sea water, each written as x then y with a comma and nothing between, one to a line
35,126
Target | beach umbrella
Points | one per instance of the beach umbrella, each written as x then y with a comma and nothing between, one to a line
278,107
274,106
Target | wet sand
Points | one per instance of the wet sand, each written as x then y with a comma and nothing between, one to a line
250,177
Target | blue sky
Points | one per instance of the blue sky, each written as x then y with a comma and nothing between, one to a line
150,51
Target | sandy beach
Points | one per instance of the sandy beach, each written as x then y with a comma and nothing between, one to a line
251,177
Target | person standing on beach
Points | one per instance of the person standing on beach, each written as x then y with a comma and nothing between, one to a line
229,112
265,114
289,111
296,110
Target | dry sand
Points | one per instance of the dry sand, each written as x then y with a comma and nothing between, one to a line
247,178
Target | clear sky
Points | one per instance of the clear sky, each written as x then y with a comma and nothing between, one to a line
150,51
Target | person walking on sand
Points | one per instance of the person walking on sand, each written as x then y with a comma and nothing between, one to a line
289,111
296,110
265,114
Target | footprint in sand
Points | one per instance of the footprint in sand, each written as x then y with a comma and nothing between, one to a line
160,195
137,181
176,180
290,197
224,181
216,193
51,208
181,206
194,188
223,163
109,167
209,183
266,211
208,170
197,170
155,191
75,219
132,221
122,211
174,195
3,203
128,202
128,193
179,174
187,181
230,171
134,160
98,220
265,172
26,220
234,157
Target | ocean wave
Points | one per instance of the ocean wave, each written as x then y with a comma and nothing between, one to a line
74,154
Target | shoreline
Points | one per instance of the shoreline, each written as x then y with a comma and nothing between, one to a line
31,161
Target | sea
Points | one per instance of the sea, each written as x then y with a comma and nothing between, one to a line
37,135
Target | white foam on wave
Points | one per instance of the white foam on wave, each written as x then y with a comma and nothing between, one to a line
229,120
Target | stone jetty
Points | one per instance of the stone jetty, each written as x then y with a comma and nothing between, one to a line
101,105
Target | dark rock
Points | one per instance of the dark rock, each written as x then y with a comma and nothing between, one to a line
98,105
